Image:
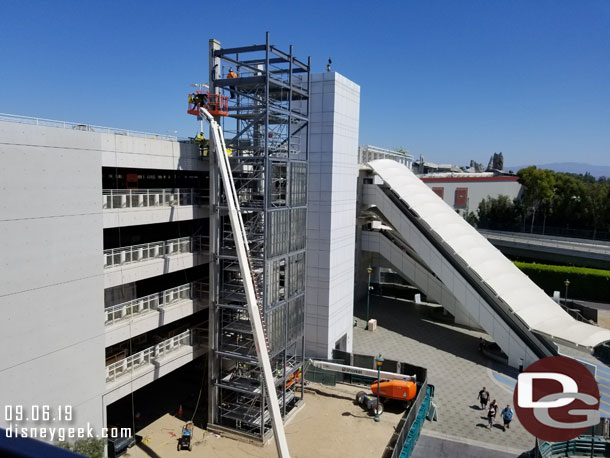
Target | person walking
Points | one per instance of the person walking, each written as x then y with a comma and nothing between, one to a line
483,398
507,416
491,414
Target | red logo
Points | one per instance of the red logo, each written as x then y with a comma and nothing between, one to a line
557,399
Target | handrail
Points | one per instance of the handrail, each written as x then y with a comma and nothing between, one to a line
142,252
580,446
147,356
193,290
527,239
161,197
403,442
83,127
367,153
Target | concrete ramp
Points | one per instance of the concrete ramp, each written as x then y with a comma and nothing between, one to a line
518,315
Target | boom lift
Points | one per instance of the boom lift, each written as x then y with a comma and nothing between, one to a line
255,310
398,387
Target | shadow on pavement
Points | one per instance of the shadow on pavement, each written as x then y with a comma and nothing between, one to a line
409,320
147,450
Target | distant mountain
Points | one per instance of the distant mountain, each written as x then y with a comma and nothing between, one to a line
569,167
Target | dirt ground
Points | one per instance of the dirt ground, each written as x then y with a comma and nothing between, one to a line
603,318
330,424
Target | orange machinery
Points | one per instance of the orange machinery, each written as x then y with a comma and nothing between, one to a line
216,104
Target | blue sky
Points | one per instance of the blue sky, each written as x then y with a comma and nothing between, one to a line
451,80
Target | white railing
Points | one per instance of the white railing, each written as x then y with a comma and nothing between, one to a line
139,198
368,153
137,253
83,127
147,356
537,240
116,313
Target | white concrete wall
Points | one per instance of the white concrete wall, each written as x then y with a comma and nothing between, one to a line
121,217
416,274
333,169
477,190
149,153
52,280
51,272
153,267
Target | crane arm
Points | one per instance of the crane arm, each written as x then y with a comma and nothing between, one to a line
243,255
334,367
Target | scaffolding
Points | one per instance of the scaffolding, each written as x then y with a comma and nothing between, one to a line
266,131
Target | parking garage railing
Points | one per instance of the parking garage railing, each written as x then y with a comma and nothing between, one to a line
163,197
148,356
190,291
6,117
146,251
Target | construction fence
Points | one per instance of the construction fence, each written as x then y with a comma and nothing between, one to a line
406,433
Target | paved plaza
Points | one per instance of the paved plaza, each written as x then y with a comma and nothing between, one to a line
455,367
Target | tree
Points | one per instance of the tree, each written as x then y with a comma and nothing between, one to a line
597,196
539,189
471,218
499,213
93,448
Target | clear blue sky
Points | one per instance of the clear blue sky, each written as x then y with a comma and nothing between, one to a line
452,80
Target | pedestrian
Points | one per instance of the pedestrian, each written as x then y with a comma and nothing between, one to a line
507,416
483,398
494,404
481,344
491,414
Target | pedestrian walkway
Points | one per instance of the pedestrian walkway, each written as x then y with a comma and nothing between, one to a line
455,367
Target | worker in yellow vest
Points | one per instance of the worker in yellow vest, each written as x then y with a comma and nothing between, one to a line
204,145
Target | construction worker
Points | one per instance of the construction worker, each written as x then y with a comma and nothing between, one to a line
201,99
204,145
191,102
231,75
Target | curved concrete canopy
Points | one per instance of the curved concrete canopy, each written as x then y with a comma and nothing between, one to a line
524,298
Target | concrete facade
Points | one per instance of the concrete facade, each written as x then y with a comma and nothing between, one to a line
52,288
333,171
53,333
478,189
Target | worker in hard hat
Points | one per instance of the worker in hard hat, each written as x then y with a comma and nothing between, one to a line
204,145
201,99
231,75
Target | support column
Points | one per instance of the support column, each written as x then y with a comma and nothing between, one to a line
215,71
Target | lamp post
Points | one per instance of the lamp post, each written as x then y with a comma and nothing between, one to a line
369,269
379,361
567,283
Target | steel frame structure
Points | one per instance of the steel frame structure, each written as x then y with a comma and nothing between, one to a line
267,134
